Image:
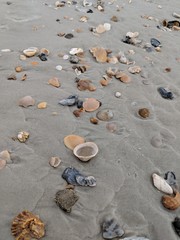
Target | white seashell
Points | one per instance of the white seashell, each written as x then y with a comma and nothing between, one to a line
85,151
74,51
117,94
132,34
107,26
22,57
134,69
30,52
6,50
161,184
65,57
86,3
59,67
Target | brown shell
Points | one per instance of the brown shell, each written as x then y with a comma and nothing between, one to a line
71,141
91,104
171,202
26,225
99,53
144,112
94,120
54,82
85,84
66,198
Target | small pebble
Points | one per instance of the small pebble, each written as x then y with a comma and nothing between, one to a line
59,67
117,94
65,57
69,36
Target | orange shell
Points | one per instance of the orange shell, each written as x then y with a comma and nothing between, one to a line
71,141
26,225
91,104
171,202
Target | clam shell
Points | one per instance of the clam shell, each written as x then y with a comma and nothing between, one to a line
71,141
171,202
26,225
54,82
18,69
91,104
105,115
161,184
94,120
5,156
132,34
42,105
2,163
100,54
111,229
26,101
86,151
85,84
54,162
30,52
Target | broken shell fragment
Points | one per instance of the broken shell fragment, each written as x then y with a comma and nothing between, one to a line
26,225
134,69
65,199
26,101
170,178
42,105
100,54
74,51
171,202
144,112
161,184
2,163
105,115
132,34
54,162
54,82
112,60
71,141
12,77
94,120
111,229
85,151
18,69
91,104
100,29
30,52
23,136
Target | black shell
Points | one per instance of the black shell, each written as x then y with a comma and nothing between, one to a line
165,94
155,42
43,57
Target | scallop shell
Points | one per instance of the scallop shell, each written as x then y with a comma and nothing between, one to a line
54,162
86,151
23,136
91,104
5,156
71,141
42,105
161,184
26,101
26,225
2,163
65,199
144,112
100,54
30,52
54,82
171,202
105,115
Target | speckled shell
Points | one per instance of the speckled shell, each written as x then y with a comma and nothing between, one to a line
26,225
65,199
171,202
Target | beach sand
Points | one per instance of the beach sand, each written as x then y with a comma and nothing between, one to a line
126,159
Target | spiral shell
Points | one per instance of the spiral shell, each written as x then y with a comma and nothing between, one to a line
171,202
26,225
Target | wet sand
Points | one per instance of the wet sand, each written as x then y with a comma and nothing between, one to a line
126,159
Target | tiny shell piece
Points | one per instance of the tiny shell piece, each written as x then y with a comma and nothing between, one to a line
85,151
45,51
91,104
132,34
134,69
54,82
104,82
144,112
42,105
171,202
23,136
30,52
161,184
18,69
71,141
74,51
26,101
12,77
107,26
26,225
100,29
117,94
2,163
54,162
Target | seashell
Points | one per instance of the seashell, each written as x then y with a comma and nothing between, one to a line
112,127
82,69
77,112
83,19
23,136
12,77
54,162
144,112
30,52
112,60
94,120
85,84
99,53
42,105
132,34
66,57
26,101
26,225
135,238
54,82
170,178
165,94
161,184
74,177
125,79
71,141
134,69
111,72
155,42
91,104
18,69
105,115
100,29
2,163
80,104
117,94
59,67
65,199
74,59
6,50
122,58
24,77
176,224
86,151
114,19
107,26
86,3
70,101
43,56
171,202
69,35
59,4
4,155
104,82
111,229
45,51
74,51
22,57
176,15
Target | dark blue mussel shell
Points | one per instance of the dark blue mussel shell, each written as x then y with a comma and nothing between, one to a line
165,94
155,42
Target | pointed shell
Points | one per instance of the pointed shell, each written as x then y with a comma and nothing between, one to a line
26,101
161,184
171,202
2,163
30,52
5,156
91,104
26,225
54,162
86,151
54,82
42,105
99,53
71,141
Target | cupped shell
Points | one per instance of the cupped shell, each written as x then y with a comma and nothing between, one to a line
26,101
86,151
71,141
171,202
91,104
161,184
30,52
26,225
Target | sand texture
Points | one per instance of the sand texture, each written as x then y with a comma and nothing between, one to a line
127,157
